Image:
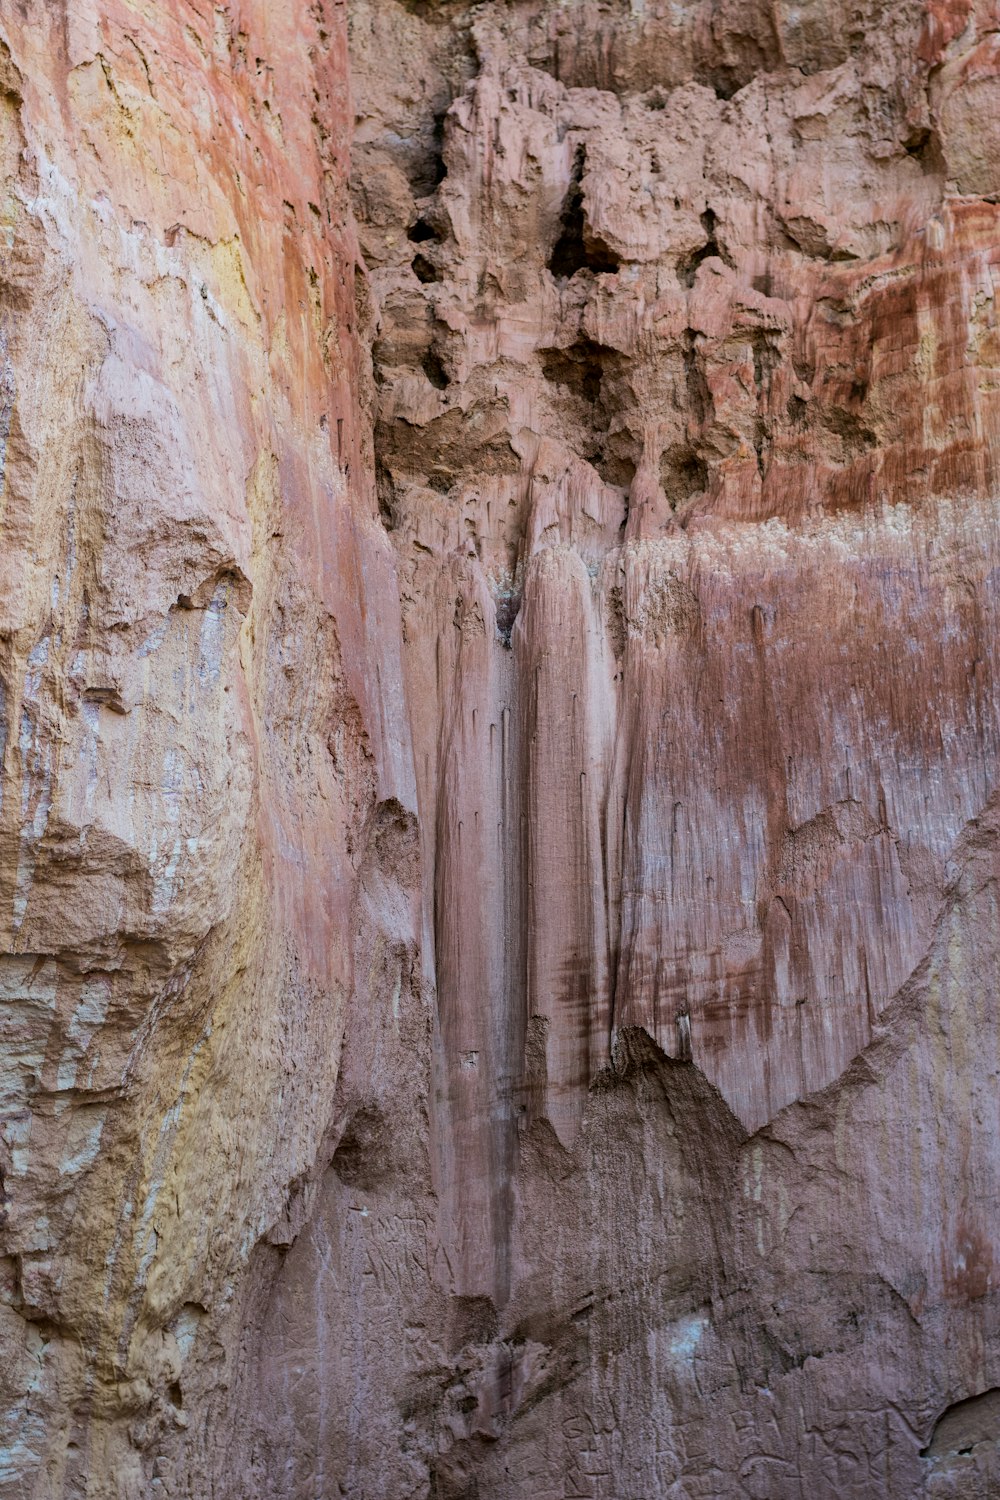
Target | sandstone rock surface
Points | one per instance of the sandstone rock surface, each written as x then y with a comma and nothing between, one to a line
500,729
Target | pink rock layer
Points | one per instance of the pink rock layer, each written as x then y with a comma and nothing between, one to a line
499,841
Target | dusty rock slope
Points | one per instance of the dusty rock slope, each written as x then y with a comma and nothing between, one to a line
499,844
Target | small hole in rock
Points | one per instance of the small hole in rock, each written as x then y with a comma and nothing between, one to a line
579,369
724,83
508,606
435,371
385,489
917,142
421,232
364,1156
682,474
440,170
424,270
576,249
924,147
687,269
615,468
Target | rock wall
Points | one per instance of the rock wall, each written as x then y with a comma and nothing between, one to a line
499,848
202,760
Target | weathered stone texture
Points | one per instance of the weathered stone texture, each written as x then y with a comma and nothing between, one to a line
499,847
195,749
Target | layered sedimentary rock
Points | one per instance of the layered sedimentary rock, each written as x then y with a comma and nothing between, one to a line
204,752
499,834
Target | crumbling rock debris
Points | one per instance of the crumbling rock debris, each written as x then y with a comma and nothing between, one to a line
499,838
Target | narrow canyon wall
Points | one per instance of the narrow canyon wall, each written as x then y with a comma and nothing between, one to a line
205,747
500,726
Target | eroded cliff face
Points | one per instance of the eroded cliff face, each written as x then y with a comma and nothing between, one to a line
500,738
202,765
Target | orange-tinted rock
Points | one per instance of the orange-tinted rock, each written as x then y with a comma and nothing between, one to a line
195,752
501,734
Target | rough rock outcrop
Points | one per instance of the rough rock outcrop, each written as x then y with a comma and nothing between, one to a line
200,766
500,838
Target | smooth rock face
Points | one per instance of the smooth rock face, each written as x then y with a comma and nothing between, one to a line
499,839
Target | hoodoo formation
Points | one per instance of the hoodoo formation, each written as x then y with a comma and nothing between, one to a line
500,733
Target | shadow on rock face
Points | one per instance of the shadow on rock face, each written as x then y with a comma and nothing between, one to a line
963,1455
